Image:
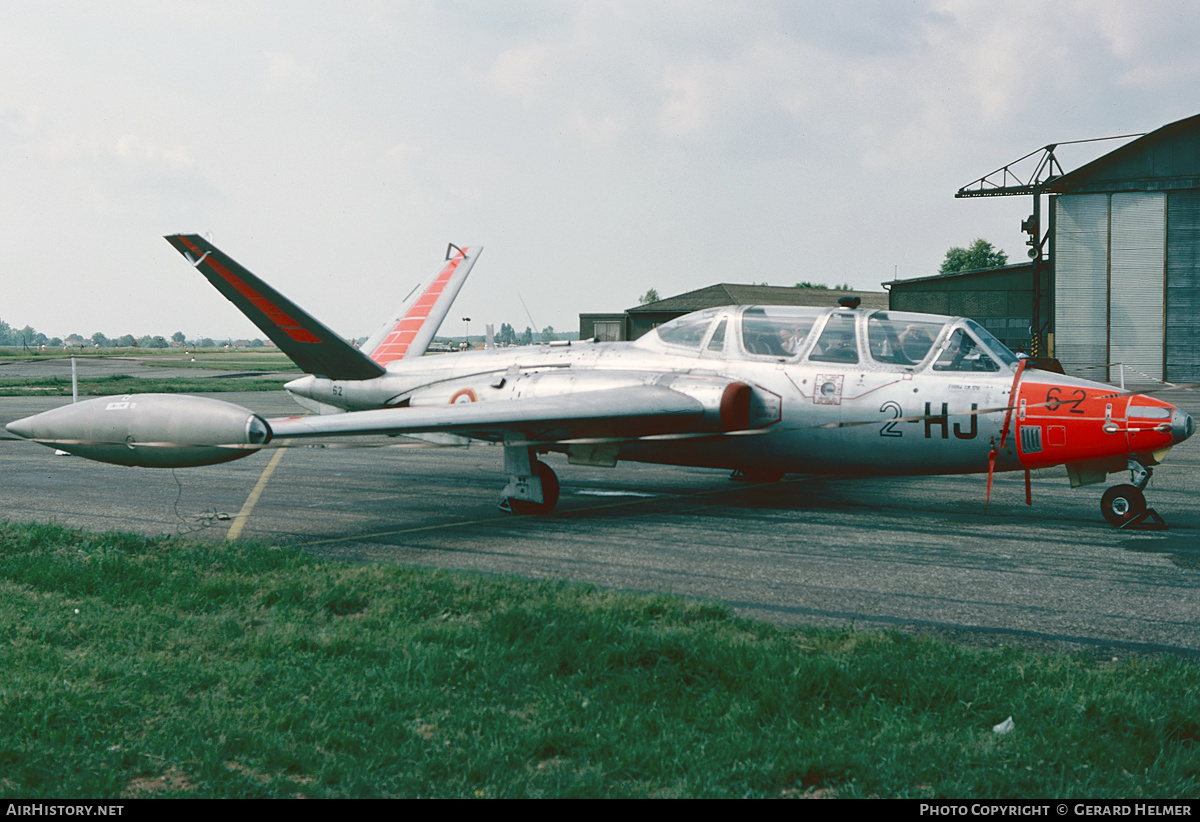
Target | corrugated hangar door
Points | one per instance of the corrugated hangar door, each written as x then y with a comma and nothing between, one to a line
1081,283
1183,286
1110,284
1137,282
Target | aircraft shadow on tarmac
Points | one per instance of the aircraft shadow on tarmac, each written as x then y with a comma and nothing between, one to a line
1182,549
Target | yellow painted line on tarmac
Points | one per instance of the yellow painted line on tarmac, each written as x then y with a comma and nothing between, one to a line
239,521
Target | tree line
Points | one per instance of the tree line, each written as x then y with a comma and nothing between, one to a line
507,335
29,337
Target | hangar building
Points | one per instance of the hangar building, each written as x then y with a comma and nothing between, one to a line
634,322
1122,280
1125,246
999,299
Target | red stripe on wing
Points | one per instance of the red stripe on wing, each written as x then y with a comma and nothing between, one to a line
285,323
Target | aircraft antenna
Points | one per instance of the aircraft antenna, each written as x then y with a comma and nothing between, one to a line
536,330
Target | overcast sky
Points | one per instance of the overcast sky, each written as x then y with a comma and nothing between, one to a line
595,149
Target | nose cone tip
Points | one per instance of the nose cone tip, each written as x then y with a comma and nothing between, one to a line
300,385
1185,427
22,427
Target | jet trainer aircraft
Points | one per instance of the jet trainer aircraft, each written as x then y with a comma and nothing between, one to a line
760,390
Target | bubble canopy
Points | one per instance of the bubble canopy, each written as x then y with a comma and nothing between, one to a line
833,335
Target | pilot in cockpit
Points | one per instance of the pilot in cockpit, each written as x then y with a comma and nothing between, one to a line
914,342
791,338
838,346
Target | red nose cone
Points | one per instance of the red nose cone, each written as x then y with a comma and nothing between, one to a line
1075,421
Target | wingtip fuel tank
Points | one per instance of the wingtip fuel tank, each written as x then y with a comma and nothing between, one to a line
149,430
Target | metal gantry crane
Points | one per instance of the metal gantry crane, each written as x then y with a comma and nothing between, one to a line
1007,181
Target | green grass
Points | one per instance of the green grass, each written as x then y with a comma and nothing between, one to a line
235,362
241,363
126,384
135,666
217,354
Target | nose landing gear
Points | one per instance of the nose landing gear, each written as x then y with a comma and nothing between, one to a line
1124,506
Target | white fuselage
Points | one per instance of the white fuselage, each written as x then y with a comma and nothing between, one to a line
806,415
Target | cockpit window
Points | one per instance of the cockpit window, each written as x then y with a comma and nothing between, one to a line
901,339
687,331
837,343
998,348
717,343
963,353
777,331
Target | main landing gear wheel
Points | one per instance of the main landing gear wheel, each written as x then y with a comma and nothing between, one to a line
549,493
1122,503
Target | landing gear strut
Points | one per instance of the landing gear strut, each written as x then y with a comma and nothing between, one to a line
532,485
1124,506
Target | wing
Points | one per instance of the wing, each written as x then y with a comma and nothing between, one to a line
309,343
631,411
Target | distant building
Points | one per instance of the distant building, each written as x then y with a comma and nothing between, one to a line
999,299
634,322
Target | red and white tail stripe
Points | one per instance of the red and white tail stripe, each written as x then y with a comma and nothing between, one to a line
410,334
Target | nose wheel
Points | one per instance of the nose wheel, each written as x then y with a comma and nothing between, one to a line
1122,503
1124,506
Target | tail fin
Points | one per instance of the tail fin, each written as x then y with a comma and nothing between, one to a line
309,344
413,325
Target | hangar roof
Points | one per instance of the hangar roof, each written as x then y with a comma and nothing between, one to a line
1167,158
736,294
1016,269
